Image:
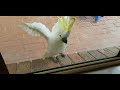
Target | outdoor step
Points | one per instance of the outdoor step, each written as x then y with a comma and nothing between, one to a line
49,63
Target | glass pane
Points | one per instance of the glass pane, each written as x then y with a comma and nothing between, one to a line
87,40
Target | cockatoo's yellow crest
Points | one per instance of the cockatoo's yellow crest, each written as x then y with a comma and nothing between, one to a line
66,23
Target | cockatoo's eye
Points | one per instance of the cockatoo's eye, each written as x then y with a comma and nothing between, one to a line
60,35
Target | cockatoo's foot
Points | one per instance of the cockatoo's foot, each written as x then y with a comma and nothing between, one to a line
43,58
56,59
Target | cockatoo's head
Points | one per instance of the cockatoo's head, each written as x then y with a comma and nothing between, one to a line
65,24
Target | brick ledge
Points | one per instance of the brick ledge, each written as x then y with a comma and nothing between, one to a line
83,56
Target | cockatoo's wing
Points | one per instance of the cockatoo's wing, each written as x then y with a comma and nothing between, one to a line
36,29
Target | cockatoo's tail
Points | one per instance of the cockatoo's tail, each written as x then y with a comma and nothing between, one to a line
66,23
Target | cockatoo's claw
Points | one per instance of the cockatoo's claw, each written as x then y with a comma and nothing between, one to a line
43,58
63,55
55,59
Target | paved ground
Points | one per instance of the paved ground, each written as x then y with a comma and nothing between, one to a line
18,46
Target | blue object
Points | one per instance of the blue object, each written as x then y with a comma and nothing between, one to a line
97,18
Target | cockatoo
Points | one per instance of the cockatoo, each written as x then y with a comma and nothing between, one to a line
57,38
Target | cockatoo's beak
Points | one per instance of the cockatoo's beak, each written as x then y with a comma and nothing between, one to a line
64,40
66,23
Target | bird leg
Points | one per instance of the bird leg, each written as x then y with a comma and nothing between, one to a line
55,58
63,55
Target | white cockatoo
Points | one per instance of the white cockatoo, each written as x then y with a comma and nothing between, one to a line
57,38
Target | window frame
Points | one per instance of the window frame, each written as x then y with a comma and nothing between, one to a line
83,67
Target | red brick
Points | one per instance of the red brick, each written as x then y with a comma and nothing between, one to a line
111,17
45,43
97,54
108,54
64,60
50,63
75,58
11,43
117,24
85,24
34,52
38,39
12,68
35,46
71,48
104,18
110,21
74,40
26,40
13,53
24,67
38,65
86,56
